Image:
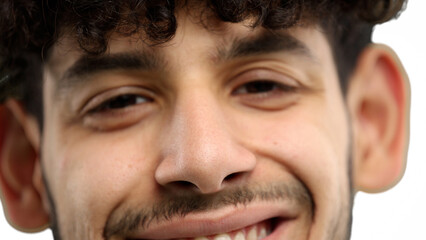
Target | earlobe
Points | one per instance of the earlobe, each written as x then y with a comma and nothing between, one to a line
18,169
378,101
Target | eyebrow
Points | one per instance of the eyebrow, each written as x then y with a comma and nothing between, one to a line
89,65
265,43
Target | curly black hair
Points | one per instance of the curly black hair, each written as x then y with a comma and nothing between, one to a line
28,29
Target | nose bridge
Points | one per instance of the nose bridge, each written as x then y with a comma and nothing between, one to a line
199,122
200,148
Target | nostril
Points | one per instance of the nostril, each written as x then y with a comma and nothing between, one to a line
184,184
233,177
181,186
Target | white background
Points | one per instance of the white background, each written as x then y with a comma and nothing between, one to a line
399,214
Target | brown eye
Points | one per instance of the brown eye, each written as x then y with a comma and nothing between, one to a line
121,102
261,87
119,108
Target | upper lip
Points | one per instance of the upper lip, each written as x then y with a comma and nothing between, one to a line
209,223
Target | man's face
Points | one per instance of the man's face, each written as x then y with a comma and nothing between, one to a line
221,130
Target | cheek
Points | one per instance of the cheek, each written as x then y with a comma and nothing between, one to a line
310,141
308,147
308,153
95,172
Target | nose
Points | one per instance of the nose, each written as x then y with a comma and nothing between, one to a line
199,151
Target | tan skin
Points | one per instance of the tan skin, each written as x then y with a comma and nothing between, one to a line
196,125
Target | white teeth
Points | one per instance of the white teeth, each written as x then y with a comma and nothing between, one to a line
252,235
239,236
222,237
262,234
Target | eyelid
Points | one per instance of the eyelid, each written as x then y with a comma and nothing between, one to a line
109,94
266,74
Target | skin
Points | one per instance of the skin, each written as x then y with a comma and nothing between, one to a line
199,132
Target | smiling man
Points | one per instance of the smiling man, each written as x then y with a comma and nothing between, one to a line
197,119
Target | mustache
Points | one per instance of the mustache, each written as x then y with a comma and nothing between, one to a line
175,206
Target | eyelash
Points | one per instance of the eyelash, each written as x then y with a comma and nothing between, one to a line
113,103
267,87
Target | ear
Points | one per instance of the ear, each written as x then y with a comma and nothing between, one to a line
378,100
20,172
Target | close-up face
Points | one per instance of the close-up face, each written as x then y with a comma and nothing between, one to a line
233,132
206,124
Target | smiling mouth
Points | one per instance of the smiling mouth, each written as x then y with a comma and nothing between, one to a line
256,231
